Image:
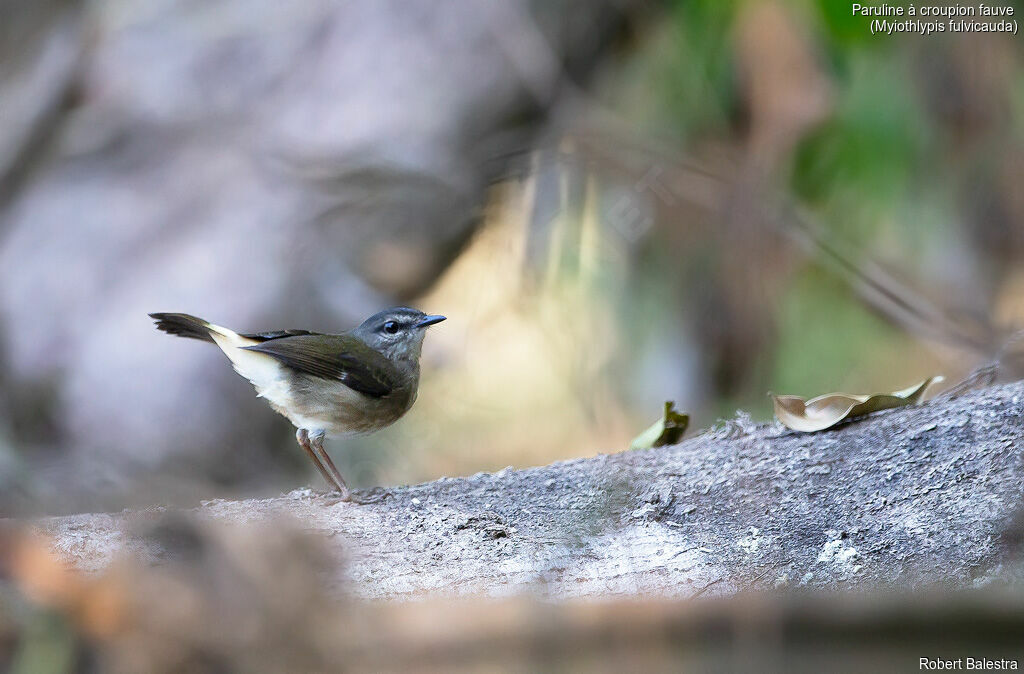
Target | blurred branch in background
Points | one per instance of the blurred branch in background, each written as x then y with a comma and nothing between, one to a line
41,47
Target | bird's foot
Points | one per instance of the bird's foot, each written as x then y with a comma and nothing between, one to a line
334,496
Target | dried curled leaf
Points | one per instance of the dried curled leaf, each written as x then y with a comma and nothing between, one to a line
826,411
665,431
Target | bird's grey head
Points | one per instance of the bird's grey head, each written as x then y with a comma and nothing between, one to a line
397,332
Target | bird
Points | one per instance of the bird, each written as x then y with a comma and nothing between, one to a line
359,381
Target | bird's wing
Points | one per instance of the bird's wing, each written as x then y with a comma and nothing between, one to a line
334,357
275,334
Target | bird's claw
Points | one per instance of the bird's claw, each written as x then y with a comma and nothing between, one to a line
334,496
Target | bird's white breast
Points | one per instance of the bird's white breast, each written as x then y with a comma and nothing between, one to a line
333,408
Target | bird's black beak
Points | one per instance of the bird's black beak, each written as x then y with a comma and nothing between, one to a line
430,320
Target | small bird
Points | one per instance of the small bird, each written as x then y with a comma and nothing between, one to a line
357,382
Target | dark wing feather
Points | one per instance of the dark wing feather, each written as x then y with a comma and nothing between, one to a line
334,357
276,334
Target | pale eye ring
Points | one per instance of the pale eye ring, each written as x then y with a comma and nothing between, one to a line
391,327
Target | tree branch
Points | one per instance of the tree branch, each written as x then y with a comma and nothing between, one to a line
907,498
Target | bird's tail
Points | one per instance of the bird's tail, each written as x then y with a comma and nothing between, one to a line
184,325
262,370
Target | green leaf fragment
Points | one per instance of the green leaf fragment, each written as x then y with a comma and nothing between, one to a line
665,431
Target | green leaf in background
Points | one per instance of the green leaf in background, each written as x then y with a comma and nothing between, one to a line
826,411
665,431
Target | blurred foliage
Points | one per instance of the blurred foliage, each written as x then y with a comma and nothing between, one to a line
649,309
868,155
877,171
812,357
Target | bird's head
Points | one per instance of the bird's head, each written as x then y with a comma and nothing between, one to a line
397,333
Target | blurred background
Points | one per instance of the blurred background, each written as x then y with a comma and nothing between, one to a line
615,202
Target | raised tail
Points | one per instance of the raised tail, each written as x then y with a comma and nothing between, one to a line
263,370
184,325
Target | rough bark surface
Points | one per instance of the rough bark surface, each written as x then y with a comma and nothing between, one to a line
908,498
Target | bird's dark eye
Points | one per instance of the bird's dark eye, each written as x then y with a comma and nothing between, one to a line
391,327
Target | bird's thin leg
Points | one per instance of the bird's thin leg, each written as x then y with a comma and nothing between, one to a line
302,437
317,441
